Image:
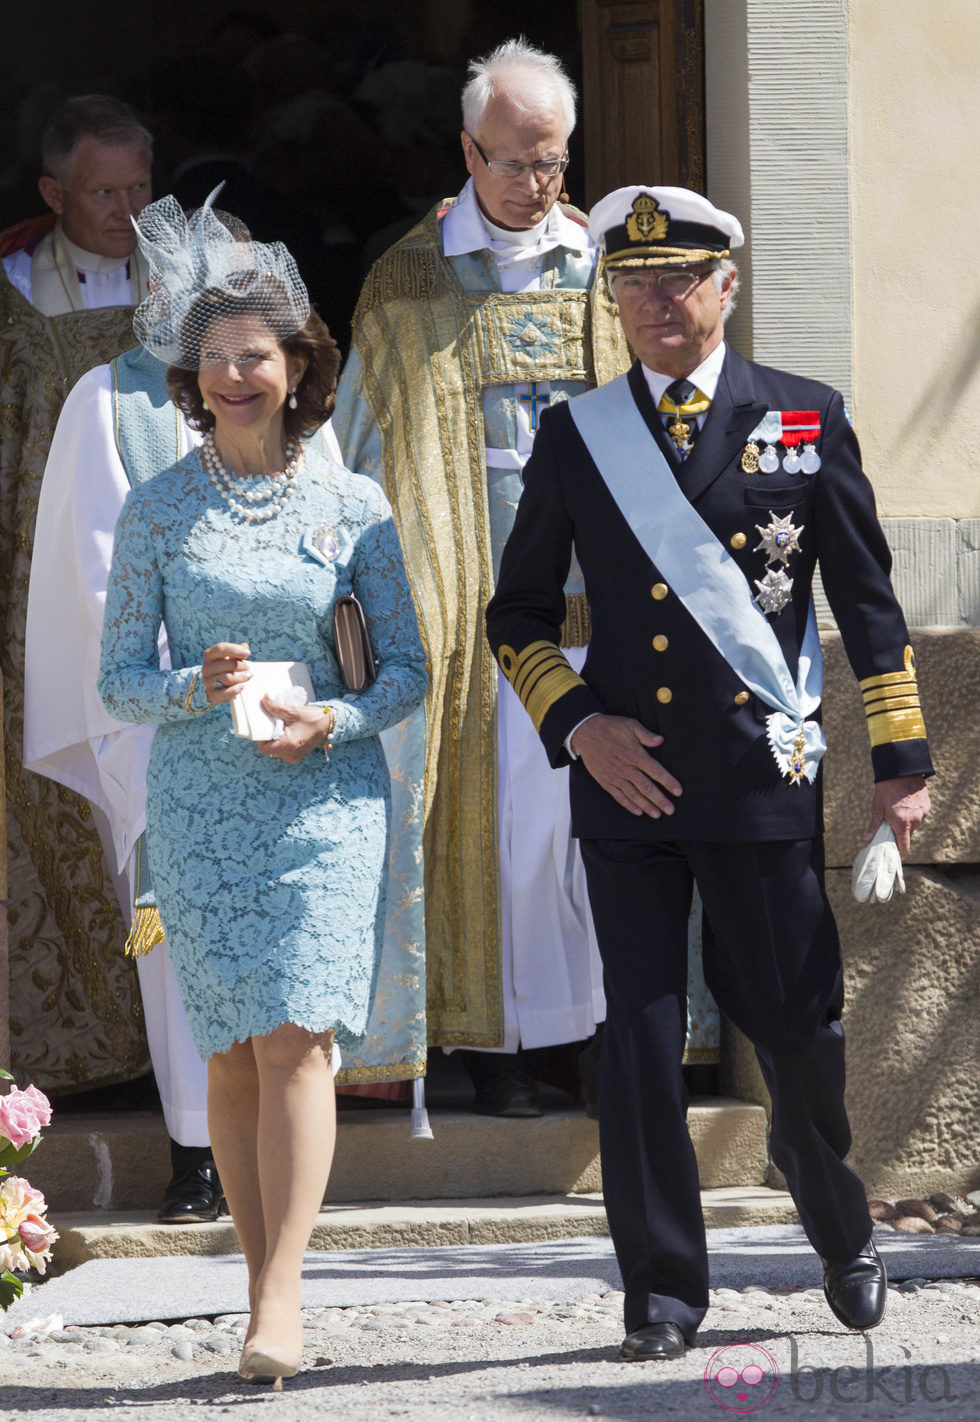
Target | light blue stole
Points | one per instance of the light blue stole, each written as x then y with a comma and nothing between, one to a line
148,429
703,574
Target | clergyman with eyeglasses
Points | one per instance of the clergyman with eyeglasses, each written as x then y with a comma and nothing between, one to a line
701,490
466,330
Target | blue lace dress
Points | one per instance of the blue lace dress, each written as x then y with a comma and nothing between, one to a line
269,877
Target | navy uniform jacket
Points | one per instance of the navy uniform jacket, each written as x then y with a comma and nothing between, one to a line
649,659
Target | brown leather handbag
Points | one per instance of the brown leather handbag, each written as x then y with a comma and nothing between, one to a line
352,644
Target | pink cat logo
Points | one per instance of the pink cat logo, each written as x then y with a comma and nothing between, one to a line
741,1377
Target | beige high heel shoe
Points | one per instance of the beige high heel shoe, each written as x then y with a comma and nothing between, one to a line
258,1366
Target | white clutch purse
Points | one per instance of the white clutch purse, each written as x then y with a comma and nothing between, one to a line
284,681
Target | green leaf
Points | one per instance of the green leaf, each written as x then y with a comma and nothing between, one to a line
10,1156
5,1075
11,1288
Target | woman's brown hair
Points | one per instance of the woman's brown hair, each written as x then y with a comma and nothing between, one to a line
315,391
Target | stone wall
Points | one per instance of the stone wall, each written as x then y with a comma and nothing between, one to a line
912,966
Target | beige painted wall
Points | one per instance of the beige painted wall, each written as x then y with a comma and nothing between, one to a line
914,135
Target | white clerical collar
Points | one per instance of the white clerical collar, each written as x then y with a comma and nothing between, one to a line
465,229
91,261
706,376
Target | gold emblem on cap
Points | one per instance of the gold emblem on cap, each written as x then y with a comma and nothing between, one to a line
750,458
647,222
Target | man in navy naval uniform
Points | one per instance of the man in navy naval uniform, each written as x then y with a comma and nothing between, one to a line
700,490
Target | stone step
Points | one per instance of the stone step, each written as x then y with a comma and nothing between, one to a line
137,1235
121,1162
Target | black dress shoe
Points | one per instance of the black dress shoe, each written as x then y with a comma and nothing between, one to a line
857,1290
503,1083
652,1343
192,1197
515,1094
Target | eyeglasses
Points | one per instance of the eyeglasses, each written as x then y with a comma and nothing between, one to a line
677,283
510,168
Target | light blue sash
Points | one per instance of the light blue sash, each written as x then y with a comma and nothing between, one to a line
703,574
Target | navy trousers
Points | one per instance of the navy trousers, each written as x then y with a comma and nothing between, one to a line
772,961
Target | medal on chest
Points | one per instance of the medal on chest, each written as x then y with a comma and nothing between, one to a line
790,428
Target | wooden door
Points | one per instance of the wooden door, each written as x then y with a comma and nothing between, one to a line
643,93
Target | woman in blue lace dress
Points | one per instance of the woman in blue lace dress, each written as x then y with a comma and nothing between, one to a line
268,857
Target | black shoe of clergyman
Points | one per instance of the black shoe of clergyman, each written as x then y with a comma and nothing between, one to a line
654,1342
515,1094
858,1289
192,1197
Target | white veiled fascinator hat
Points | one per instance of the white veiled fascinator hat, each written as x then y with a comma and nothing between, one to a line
203,266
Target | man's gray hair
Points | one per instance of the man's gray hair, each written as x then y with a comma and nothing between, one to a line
727,268
529,77
89,116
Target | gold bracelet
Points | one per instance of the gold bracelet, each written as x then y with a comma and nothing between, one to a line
191,710
329,711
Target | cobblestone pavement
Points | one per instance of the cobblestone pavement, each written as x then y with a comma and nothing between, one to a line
510,1360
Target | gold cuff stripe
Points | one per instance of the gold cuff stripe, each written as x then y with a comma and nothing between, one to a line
872,683
873,707
888,726
540,675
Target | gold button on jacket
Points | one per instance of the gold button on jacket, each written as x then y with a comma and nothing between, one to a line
664,694
659,591
660,643
738,540
741,698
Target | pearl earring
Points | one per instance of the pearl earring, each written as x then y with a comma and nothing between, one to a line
206,406
293,402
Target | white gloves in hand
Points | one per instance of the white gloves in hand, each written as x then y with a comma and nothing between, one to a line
877,869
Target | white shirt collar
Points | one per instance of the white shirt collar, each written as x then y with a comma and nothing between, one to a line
706,376
92,261
465,229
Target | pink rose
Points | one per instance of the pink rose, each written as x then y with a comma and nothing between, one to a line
18,1197
12,1256
37,1235
18,1118
41,1104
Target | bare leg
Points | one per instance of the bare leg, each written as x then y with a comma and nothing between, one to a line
233,1123
297,1129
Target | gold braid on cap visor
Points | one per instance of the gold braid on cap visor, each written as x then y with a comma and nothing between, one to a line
659,256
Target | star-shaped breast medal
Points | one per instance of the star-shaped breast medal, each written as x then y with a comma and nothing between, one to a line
775,591
779,538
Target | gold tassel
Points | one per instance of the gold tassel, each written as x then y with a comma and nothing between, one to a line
146,932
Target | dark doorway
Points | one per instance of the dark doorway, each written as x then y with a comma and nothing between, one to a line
333,125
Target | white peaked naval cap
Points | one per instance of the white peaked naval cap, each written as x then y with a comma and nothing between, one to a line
643,226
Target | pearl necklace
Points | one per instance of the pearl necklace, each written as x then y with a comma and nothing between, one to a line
253,505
